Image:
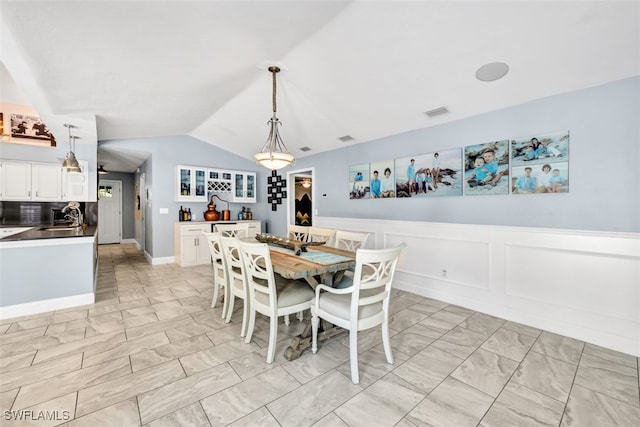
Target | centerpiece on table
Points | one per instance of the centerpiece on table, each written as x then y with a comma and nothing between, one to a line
297,246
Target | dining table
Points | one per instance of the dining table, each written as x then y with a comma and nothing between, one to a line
314,264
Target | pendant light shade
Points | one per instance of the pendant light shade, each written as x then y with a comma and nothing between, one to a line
274,154
70,163
102,170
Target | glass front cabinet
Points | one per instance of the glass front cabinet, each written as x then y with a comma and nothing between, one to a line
191,184
244,184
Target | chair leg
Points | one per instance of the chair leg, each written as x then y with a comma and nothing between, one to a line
286,320
252,324
385,341
315,322
232,299
225,303
353,356
300,316
273,337
245,317
216,288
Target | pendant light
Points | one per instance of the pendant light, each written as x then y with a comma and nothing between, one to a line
70,163
102,170
274,155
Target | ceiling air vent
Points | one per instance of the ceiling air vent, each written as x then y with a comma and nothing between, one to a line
436,111
305,148
346,138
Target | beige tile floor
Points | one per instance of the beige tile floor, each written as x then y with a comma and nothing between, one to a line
152,352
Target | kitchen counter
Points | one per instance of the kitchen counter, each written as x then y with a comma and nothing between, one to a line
46,268
46,231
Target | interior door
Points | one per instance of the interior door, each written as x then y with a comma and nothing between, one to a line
109,211
301,209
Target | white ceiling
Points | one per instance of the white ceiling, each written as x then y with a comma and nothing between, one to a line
368,69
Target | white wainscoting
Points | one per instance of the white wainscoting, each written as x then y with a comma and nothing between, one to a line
581,284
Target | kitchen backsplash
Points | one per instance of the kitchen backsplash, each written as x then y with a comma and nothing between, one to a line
28,213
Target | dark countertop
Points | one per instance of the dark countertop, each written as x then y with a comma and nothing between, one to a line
51,232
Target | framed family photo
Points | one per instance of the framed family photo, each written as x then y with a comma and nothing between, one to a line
486,169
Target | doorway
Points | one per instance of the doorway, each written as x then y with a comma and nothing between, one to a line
300,207
109,211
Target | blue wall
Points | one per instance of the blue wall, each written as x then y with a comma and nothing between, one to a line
604,194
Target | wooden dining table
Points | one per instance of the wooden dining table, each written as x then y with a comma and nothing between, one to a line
318,264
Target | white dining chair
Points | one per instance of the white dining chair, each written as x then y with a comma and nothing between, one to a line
220,278
269,295
350,241
298,232
237,279
361,306
317,234
240,230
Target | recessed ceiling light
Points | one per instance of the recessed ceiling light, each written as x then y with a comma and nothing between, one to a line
492,71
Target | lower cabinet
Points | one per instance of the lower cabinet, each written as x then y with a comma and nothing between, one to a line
191,247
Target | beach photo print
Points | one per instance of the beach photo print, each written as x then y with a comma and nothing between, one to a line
486,169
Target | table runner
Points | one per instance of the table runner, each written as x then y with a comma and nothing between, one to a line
318,257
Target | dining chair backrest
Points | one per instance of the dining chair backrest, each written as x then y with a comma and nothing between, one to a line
372,281
298,232
317,234
240,230
236,278
350,241
219,268
259,273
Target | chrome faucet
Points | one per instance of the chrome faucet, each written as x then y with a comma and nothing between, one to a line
75,215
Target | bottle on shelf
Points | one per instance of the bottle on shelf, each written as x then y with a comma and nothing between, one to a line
241,214
181,214
249,213
189,215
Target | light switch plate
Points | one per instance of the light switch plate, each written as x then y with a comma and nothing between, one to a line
164,211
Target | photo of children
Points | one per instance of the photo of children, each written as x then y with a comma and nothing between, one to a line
384,184
546,178
359,181
429,175
485,165
540,149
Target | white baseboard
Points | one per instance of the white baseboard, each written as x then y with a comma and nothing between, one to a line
158,261
26,309
127,241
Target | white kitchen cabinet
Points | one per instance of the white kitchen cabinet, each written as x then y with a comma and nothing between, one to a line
191,247
244,187
16,180
191,184
47,182
75,185
31,181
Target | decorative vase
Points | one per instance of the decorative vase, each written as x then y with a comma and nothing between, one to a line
211,214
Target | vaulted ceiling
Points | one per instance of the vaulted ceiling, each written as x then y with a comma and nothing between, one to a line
367,69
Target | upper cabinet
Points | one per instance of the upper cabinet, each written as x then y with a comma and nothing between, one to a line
31,181
43,182
244,189
191,184
75,185
195,183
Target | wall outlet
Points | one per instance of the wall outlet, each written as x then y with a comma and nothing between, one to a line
443,273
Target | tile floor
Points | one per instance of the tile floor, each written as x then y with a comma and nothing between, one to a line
152,352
